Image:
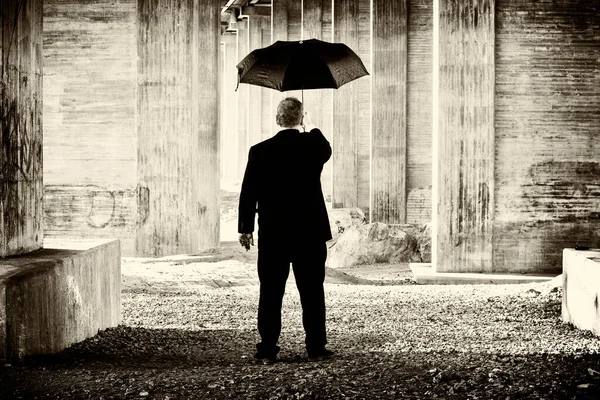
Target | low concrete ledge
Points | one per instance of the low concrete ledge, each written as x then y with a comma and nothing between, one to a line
426,275
581,289
54,297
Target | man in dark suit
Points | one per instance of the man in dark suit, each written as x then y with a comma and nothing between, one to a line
282,183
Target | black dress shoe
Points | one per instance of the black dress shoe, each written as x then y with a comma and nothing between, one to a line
321,355
265,359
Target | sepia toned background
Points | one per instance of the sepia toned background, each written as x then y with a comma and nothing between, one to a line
480,117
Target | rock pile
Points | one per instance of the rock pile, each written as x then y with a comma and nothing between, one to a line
355,241
341,219
380,243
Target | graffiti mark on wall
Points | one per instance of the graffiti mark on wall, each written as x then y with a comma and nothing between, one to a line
88,208
102,210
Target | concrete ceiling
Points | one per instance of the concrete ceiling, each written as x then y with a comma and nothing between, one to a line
233,7
228,5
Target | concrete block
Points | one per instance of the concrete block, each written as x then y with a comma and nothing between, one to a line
581,289
54,297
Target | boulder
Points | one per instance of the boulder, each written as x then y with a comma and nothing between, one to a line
424,240
375,243
341,219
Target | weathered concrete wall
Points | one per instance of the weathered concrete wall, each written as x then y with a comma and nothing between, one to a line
547,132
177,126
388,125
352,110
90,156
463,165
317,22
259,29
419,111
242,99
21,183
53,298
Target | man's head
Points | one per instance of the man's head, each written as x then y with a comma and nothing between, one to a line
289,112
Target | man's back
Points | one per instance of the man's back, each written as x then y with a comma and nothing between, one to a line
283,179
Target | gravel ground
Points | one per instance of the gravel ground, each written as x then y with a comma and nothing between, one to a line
391,342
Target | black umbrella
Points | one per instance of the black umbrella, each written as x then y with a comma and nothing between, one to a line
299,65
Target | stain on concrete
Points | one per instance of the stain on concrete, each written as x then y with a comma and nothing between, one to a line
563,191
564,173
538,245
102,210
143,204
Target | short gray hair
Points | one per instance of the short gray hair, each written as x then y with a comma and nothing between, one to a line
289,112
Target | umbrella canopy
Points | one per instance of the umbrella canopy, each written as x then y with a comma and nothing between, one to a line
297,65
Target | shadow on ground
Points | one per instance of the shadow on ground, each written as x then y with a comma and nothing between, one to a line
391,342
129,362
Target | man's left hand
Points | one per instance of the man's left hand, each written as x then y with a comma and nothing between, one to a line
246,240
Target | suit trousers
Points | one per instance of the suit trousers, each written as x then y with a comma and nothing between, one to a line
308,263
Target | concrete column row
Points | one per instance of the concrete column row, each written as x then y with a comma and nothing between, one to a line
360,138
366,120
178,123
177,112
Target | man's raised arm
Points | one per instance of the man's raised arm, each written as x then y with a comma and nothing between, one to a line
322,144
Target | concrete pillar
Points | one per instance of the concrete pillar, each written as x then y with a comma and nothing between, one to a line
463,154
316,22
389,74
308,19
243,100
287,19
258,22
21,184
228,115
287,22
178,167
352,110
268,113
418,111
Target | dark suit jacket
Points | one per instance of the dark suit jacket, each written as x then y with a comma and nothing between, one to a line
283,183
